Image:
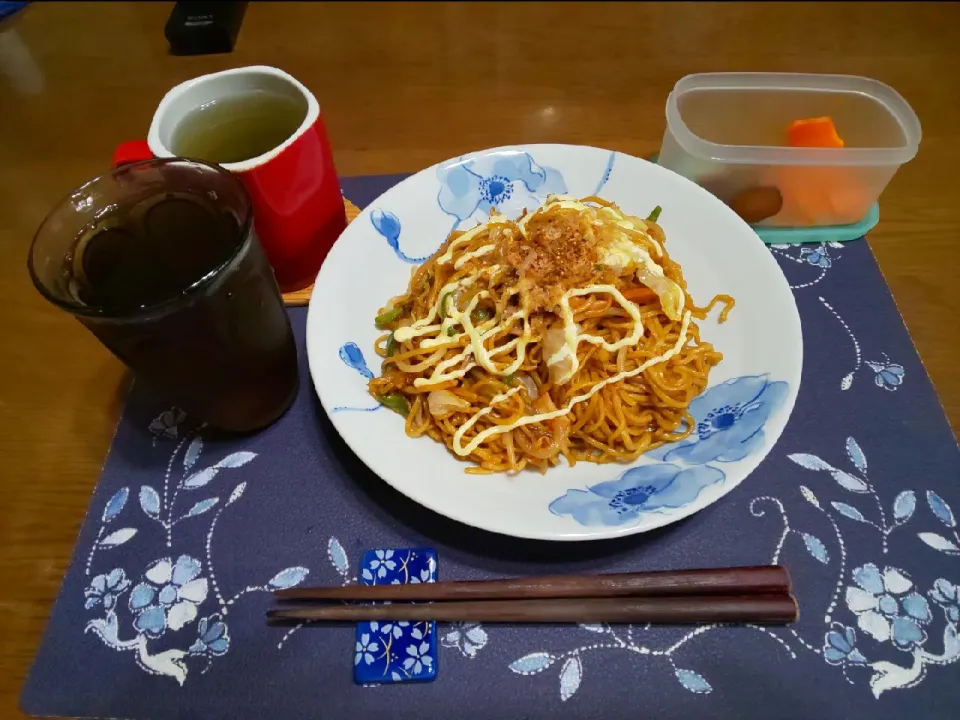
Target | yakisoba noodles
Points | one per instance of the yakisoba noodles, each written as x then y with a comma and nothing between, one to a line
567,333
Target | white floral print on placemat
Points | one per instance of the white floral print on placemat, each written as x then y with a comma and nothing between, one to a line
173,592
882,601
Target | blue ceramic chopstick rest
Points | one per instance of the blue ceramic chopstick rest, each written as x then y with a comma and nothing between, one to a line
396,652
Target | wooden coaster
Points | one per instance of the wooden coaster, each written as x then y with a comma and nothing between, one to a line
302,297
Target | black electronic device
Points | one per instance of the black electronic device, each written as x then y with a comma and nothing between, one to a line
204,28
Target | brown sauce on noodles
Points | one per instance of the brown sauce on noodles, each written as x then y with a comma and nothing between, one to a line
566,334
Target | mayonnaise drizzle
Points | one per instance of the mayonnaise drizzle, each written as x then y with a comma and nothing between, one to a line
422,327
476,354
477,335
475,348
571,338
495,219
463,451
552,201
479,252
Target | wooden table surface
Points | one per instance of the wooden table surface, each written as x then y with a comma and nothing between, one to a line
404,86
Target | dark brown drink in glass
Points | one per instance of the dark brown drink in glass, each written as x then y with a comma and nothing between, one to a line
159,260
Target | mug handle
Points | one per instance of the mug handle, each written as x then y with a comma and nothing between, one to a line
132,151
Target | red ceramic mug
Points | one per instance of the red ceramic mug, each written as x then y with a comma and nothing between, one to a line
297,204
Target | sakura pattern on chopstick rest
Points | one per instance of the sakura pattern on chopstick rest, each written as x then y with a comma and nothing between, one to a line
394,652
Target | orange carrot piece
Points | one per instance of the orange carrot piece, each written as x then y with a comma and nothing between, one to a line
640,295
818,132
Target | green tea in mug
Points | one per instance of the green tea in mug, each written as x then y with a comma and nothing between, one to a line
238,127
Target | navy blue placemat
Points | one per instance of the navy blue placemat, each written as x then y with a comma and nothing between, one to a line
161,612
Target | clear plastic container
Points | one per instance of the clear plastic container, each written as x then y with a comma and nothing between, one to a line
728,133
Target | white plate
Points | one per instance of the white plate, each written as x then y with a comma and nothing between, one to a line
740,416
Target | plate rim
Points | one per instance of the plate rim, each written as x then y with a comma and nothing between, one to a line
591,533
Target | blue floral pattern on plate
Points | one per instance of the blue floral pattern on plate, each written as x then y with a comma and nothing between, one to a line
648,488
388,652
416,216
352,357
388,225
729,418
508,181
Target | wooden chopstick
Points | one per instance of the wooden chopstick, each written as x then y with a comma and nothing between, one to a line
778,608
765,579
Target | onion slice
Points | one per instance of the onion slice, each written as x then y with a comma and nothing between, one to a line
442,403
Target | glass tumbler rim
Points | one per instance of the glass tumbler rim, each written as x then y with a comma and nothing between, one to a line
167,304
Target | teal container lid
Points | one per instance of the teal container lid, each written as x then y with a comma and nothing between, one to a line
821,234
